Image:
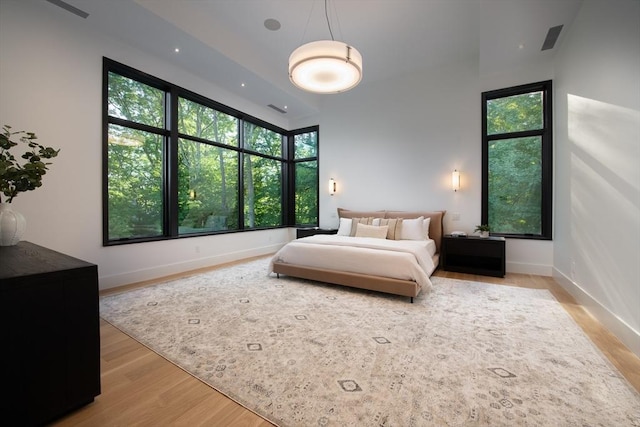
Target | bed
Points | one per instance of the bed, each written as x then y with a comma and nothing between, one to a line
374,250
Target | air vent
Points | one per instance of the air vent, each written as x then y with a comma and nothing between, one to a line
279,110
69,8
552,37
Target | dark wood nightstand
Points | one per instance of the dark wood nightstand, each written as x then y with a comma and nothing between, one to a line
475,255
310,231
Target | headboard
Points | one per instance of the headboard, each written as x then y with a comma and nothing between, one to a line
435,226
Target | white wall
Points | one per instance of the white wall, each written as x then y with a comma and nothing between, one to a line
51,84
597,248
393,145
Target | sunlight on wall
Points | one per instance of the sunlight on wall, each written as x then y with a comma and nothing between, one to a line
605,202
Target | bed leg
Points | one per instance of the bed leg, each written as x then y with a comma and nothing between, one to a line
411,300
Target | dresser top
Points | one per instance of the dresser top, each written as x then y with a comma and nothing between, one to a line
26,259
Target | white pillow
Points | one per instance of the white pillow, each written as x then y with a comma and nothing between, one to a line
412,229
377,232
425,227
345,227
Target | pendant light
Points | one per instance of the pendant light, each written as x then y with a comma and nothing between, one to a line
325,66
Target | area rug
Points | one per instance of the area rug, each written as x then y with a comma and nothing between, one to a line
300,353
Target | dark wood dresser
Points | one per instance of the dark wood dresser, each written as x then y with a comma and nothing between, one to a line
50,334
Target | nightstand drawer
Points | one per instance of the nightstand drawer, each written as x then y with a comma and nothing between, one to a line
472,247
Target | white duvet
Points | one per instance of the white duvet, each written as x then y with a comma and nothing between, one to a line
397,259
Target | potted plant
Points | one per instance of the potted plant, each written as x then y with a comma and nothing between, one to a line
17,176
483,229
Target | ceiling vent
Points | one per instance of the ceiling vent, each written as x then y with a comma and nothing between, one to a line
279,110
552,37
69,8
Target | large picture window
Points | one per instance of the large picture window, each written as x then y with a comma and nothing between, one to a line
177,164
517,161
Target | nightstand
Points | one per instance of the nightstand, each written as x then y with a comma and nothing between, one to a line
310,231
474,255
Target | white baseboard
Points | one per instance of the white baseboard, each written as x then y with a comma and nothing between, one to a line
615,325
523,268
115,280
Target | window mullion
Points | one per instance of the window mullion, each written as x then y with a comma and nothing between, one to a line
514,135
171,165
241,190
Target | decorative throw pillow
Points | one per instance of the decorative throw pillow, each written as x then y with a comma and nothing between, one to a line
345,227
394,227
356,221
412,229
377,232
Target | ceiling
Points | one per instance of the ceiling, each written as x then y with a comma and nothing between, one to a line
227,43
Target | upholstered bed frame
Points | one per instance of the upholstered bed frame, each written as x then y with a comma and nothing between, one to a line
363,281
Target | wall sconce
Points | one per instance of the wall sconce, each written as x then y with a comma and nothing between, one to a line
455,180
332,186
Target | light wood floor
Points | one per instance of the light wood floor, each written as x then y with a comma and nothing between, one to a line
140,388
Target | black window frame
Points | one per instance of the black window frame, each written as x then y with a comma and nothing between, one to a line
292,174
170,156
546,135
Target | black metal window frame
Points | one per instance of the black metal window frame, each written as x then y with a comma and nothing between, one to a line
546,135
170,164
291,190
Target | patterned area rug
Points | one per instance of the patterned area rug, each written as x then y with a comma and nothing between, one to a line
300,353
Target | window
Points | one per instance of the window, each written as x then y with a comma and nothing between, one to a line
305,155
517,161
177,164
135,152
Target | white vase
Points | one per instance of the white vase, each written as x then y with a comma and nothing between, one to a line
12,225
484,234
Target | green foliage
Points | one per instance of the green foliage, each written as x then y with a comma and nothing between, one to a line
515,185
482,227
515,113
17,177
203,122
306,201
135,158
135,183
305,145
262,192
207,188
261,140
306,176
515,164
135,101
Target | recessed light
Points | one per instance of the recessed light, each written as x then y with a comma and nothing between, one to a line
521,46
177,50
242,84
285,107
272,24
